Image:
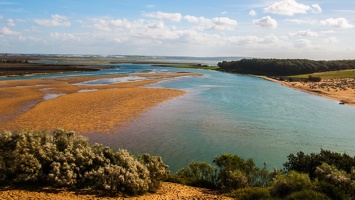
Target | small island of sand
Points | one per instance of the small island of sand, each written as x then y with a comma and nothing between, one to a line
69,103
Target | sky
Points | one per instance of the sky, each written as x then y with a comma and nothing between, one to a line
310,29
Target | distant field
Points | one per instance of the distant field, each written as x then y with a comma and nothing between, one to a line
329,75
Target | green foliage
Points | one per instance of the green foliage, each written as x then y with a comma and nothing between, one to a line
157,170
65,159
337,178
284,67
307,195
234,173
200,174
328,75
308,163
314,78
255,193
286,184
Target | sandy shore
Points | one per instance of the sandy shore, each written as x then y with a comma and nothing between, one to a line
168,191
46,104
341,90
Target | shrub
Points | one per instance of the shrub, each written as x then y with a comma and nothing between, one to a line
338,178
302,162
200,174
128,175
254,193
314,78
307,195
157,170
235,173
65,159
286,184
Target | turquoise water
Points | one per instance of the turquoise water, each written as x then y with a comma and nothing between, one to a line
244,115
228,113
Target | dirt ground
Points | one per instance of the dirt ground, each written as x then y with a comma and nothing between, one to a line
168,191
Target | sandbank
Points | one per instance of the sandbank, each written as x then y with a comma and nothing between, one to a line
341,90
47,104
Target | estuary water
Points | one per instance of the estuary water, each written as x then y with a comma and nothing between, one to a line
237,114
229,113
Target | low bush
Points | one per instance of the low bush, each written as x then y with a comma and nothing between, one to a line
199,174
307,195
286,184
65,159
254,193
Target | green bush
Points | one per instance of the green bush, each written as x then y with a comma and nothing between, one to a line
235,172
65,159
200,174
307,195
254,193
337,178
286,184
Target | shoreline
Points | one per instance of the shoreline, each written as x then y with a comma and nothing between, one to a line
343,96
47,104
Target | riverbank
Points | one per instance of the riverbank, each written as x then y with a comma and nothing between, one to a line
341,90
74,103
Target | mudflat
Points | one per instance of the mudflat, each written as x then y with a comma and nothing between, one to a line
69,103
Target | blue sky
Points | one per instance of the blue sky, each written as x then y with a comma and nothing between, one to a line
256,28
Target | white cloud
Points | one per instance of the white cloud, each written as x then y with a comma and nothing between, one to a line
224,13
193,19
267,22
291,7
223,23
331,40
252,13
252,39
10,22
1,17
57,20
217,23
316,8
303,43
305,33
64,36
175,17
338,23
302,21
7,31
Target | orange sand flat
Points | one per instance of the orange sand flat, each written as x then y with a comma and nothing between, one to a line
101,109
342,90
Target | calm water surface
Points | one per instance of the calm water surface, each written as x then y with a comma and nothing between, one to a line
227,113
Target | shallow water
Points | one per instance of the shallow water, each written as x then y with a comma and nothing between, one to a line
227,113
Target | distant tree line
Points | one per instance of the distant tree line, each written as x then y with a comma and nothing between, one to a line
283,67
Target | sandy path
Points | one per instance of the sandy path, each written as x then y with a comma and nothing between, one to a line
101,108
168,191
